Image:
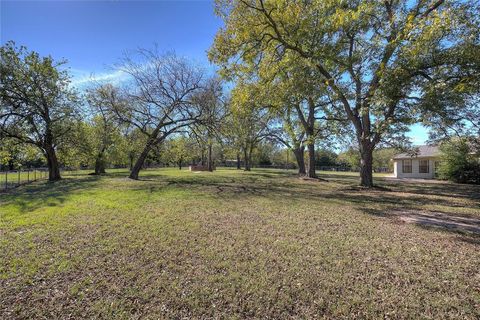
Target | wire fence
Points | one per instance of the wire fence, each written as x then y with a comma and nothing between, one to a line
320,168
15,178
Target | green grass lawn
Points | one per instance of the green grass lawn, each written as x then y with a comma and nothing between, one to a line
232,244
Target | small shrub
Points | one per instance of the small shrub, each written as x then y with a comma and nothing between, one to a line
458,163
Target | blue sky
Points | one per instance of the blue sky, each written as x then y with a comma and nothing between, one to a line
92,35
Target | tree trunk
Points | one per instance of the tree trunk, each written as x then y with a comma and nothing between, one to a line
300,157
180,165
139,163
203,156
247,159
152,140
141,159
210,164
250,157
366,164
311,161
100,164
52,162
309,127
131,161
239,166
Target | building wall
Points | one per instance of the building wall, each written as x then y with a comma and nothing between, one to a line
398,169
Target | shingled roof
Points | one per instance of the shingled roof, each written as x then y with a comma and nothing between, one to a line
419,152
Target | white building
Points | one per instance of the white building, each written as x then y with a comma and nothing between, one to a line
421,164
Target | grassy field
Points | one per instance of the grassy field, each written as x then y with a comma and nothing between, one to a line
232,244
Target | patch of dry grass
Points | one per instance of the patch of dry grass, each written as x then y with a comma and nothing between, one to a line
234,245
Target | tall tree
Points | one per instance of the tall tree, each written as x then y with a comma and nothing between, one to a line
104,129
132,144
160,100
289,132
207,130
37,104
231,140
298,89
179,151
376,58
299,101
251,120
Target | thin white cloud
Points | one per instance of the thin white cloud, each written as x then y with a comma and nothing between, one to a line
82,78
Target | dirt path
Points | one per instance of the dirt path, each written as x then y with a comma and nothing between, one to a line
439,220
416,180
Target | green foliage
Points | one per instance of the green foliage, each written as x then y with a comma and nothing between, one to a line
283,157
382,158
37,103
263,154
380,63
248,118
178,151
14,155
129,147
458,162
325,157
351,158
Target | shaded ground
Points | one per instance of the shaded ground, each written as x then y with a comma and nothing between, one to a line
439,220
237,245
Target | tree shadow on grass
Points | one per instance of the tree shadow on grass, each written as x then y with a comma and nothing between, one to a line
466,228
272,174
437,188
345,191
380,202
469,239
341,178
433,187
44,193
280,185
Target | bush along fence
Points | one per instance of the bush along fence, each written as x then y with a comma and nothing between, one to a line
16,178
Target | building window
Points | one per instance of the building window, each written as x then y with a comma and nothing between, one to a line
423,166
407,166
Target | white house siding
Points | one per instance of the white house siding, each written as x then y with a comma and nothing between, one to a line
398,169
